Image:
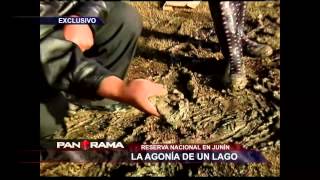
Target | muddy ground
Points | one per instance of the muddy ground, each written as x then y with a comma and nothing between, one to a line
178,48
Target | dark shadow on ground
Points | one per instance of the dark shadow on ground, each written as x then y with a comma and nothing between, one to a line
181,38
205,66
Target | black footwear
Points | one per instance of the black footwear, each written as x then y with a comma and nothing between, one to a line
234,81
255,49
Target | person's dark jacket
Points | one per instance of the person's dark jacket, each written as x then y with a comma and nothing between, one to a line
63,67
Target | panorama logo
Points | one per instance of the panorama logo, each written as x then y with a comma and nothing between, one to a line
86,145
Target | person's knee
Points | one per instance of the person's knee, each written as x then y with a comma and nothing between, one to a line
130,18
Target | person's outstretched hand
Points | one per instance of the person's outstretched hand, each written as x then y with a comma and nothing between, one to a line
135,93
140,90
80,34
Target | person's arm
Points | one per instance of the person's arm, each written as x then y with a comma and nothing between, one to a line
135,92
67,69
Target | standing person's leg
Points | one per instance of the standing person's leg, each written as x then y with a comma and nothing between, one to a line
229,19
224,15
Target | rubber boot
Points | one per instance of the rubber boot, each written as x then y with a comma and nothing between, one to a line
225,16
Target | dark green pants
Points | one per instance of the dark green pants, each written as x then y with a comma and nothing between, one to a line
115,45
